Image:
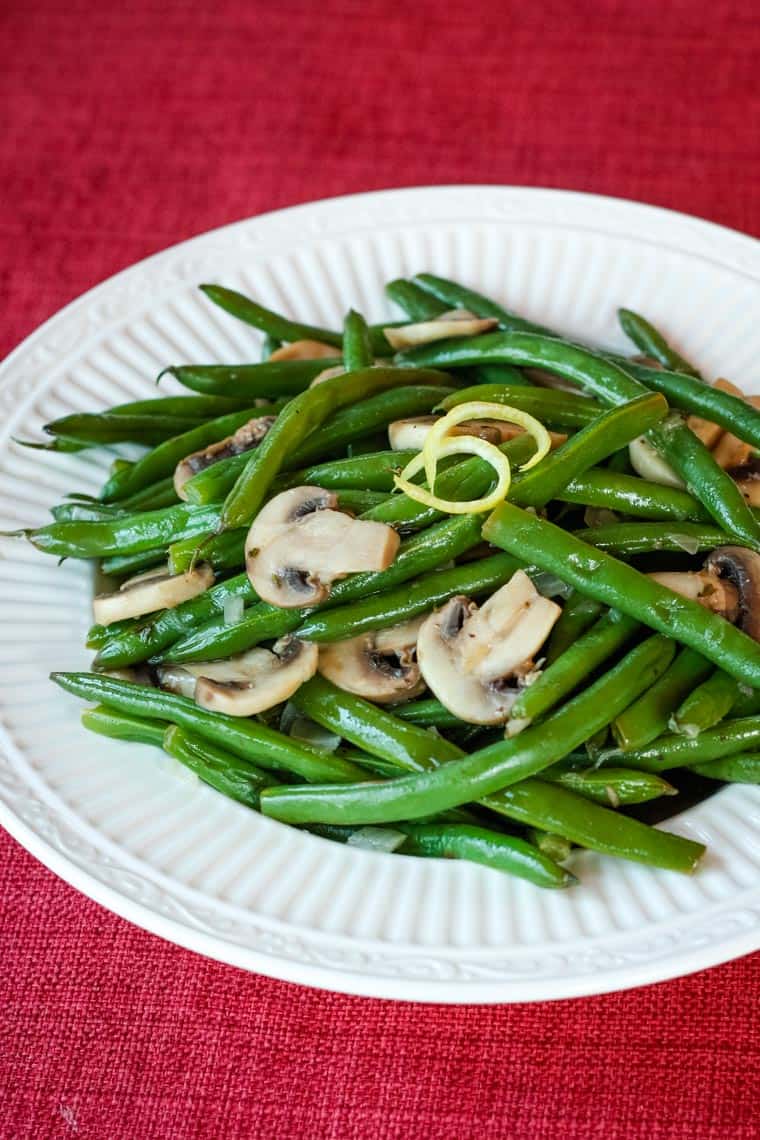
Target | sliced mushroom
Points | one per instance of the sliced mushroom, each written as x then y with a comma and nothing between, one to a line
730,451
379,666
327,374
740,567
299,565
304,350
154,590
703,586
747,479
246,438
457,322
269,678
649,464
410,434
467,654
285,509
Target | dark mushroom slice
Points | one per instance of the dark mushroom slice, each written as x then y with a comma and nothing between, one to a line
257,680
246,438
151,591
467,655
380,666
740,567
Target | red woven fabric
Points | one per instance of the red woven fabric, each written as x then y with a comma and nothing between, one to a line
128,127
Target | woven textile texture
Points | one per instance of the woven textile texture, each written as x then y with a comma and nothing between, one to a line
127,127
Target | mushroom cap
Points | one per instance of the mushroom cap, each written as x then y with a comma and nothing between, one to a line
283,510
151,591
297,567
260,679
378,666
703,586
741,567
246,438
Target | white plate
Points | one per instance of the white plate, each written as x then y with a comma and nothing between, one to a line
122,824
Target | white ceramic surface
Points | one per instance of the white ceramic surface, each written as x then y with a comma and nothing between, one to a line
127,827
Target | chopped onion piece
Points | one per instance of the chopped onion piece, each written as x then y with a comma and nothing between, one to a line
301,728
686,542
233,610
376,839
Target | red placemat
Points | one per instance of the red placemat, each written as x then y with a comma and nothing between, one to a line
127,128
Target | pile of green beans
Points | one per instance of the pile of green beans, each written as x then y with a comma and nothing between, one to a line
634,682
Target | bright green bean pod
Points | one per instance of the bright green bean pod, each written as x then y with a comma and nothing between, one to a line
429,713
97,429
600,576
629,538
609,431
652,343
416,597
579,613
647,718
613,786
556,409
748,702
123,534
606,379
151,498
267,381
222,770
741,769
728,738
706,705
161,462
224,551
630,495
374,472
489,848
580,658
417,303
273,324
122,726
302,416
422,552
125,565
357,349
133,643
247,738
486,771
84,512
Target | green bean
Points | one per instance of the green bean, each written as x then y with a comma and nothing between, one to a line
161,462
498,374
726,739
480,845
600,576
647,718
224,551
700,399
269,344
419,553
582,655
245,737
652,343
123,534
606,379
85,512
192,407
103,428
486,771
357,350
124,565
222,770
151,498
122,726
458,297
630,495
578,614
417,597
429,713
707,705
613,786
594,442
629,538
130,644
748,702
303,415
417,303
547,806
741,769
278,326
251,381
557,409
374,472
